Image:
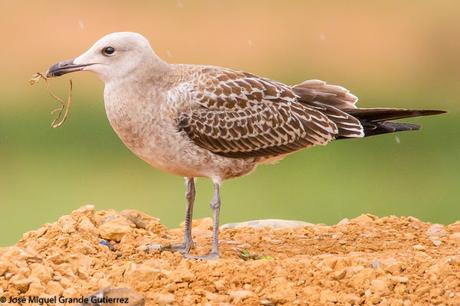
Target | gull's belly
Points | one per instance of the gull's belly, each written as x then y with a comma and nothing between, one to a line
170,152
160,144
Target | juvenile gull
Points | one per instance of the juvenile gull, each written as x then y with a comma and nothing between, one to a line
219,123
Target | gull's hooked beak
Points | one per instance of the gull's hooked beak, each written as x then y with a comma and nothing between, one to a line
64,67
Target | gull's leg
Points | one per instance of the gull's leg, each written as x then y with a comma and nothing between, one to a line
190,196
215,205
188,243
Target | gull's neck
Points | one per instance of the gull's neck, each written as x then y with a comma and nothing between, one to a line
144,83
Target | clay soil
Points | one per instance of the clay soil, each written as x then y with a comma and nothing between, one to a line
366,260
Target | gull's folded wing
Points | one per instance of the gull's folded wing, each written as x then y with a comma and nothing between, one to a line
237,114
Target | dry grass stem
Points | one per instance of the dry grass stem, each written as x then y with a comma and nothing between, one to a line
64,109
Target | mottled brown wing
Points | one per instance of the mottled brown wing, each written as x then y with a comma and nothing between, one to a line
241,115
220,88
348,125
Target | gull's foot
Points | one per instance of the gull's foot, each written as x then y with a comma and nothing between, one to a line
182,248
210,256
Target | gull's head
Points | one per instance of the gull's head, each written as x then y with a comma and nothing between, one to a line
114,56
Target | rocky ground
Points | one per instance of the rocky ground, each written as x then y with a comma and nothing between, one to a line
366,260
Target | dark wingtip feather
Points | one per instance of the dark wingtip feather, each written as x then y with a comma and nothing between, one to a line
426,112
377,128
430,112
384,114
376,121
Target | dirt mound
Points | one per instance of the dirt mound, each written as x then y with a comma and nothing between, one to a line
389,260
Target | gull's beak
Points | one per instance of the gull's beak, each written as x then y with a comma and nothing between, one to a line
64,67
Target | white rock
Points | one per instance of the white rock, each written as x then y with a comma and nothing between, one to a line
272,223
436,230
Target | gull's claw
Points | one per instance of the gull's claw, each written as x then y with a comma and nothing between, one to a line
210,256
182,248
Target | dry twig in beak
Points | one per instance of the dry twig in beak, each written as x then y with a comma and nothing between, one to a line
64,109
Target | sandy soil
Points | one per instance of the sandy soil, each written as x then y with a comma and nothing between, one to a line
366,260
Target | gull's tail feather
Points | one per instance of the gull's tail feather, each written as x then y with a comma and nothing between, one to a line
376,121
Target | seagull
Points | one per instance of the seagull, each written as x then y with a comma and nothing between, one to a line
218,123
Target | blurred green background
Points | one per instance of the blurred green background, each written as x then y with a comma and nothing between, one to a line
389,53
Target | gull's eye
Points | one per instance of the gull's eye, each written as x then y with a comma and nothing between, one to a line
108,51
